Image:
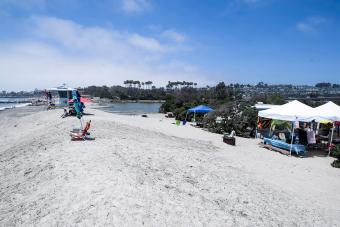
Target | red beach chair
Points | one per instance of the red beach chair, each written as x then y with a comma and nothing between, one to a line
82,134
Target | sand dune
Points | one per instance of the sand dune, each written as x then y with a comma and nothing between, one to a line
148,171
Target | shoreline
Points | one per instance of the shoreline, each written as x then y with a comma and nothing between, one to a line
16,105
148,170
110,101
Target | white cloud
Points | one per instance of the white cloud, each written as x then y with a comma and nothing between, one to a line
146,43
74,35
304,27
310,24
135,6
174,35
316,20
61,51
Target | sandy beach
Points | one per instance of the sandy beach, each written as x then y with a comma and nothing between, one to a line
148,171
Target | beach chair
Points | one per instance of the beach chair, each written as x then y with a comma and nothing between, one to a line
82,134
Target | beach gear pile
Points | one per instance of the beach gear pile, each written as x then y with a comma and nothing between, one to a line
80,134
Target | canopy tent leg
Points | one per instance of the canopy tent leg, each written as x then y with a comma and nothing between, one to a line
195,116
292,137
186,116
330,143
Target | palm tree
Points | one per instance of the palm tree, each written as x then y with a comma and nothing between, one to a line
169,85
179,83
130,82
148,83
135,82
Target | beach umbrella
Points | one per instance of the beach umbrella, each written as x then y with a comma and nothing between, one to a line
82,99
78,106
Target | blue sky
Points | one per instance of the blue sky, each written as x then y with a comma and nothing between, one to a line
46,43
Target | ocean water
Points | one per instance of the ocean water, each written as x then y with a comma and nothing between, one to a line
132,108
4,106
8,103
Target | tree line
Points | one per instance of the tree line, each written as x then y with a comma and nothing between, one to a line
132,92
235,110
139,84
180,84
327,85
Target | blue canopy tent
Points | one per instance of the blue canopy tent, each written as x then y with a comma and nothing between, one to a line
199,109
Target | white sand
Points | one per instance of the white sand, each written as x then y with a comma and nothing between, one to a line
148,171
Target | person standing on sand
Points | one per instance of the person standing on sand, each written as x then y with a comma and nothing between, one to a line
48,98
65,114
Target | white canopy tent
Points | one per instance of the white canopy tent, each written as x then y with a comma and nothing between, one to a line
293,111
296,111
331,112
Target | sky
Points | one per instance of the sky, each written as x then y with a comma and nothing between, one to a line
45,43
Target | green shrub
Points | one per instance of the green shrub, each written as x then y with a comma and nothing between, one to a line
336,164
238,116
336,154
